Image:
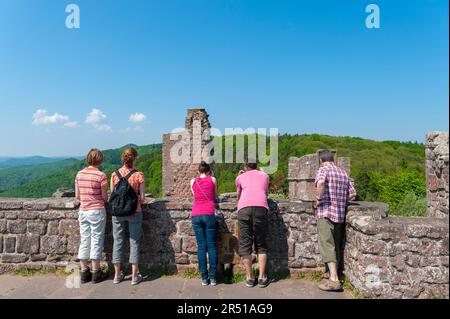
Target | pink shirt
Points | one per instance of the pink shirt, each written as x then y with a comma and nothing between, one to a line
254,187
204,202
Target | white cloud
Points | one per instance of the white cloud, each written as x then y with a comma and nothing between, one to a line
102,127
137,117
73,124
132,129
41,117
95,116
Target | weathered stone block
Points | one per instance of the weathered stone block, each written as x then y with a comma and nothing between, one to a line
182,259
28,244
69,227
189,244
73,243
9,243
36,227
53,244
2,226
184,227
16,226
176,244
53,227
13,258
11,214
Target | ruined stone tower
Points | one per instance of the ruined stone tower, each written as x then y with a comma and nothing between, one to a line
196,137
302,173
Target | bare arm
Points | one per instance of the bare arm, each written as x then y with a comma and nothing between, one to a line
111,184
142,192
320,189
105,192
77,191
215,185
351,191
192,184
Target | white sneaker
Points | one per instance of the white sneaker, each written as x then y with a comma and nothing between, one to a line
118,280
137,280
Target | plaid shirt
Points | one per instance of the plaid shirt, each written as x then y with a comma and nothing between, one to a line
338,186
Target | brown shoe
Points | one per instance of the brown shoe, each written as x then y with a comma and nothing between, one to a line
328,285
86,276
98,276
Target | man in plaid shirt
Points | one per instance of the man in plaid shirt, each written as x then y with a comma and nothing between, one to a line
334,189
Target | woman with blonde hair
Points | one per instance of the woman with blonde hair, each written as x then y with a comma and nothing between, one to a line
120,223
90,189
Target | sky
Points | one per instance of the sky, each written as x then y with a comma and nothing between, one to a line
131,70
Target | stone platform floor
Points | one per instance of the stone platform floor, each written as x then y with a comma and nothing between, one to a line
55,287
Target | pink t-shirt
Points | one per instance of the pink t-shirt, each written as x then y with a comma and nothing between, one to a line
254,186
204,202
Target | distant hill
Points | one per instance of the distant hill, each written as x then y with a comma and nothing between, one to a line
31,183
9,162
389,171
18,176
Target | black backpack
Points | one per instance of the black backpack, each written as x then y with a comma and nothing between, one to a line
123,200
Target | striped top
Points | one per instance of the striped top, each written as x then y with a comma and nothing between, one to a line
89,183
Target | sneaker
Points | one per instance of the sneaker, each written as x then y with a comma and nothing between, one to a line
98,276
118,280
205,282
137,280
329,285
213,282
250,283
263,283
86,276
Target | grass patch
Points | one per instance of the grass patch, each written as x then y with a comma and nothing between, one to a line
37,272
348,286
190,273
313,276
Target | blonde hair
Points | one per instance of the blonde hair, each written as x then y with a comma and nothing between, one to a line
94,157
128,156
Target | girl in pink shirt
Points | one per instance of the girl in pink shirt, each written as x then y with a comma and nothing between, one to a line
204,222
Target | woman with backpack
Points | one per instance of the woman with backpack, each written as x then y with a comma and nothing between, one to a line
204,189
127,196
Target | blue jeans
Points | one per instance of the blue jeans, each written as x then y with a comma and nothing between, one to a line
205,229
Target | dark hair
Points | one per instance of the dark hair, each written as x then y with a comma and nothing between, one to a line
326,156
94,157
204,168
128,156
250,163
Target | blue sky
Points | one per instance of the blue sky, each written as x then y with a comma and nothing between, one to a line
300,66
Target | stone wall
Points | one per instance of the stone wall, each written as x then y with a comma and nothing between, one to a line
176,176
385,257
396,257
437,158
45,233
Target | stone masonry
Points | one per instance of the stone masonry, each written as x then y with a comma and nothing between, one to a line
176,176
302,173
437,158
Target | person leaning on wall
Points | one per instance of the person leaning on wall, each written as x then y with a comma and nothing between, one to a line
132,221
334,189
252,188
91,191
204,189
